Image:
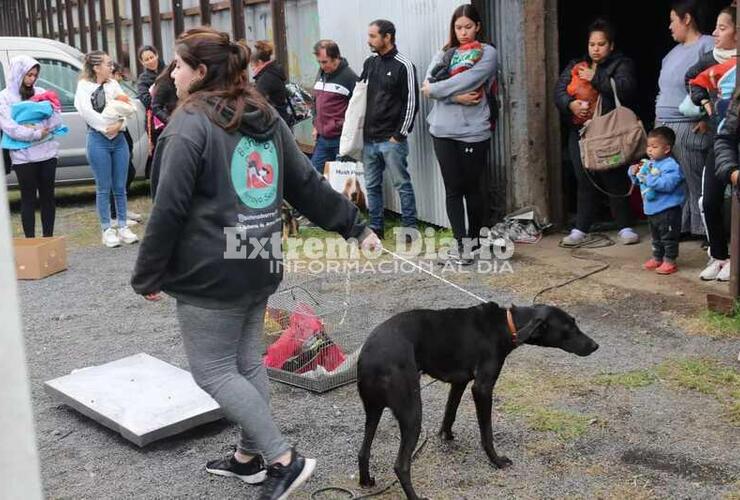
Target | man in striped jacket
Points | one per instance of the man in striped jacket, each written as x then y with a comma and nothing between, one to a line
332,92
392,103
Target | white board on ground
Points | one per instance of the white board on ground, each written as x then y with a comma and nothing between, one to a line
141,397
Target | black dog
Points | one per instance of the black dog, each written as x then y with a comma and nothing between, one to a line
454,346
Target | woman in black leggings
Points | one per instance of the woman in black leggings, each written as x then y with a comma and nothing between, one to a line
35,163
460,124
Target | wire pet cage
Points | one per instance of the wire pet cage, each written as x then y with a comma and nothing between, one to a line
313,335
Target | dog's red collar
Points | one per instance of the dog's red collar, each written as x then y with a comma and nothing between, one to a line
512,327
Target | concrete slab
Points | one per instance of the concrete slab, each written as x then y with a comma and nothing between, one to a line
142,397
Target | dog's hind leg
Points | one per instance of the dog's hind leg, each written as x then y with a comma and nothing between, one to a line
483,397
453,401
372,417
408,414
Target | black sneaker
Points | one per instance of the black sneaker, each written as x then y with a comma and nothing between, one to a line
252,472
283,480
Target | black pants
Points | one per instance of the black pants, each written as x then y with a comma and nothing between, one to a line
130,177
665,228
33,178
462,165
713,209
614,181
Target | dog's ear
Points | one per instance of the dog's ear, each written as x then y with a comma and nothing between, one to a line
529,329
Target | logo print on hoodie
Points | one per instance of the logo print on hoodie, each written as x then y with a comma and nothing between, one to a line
254,172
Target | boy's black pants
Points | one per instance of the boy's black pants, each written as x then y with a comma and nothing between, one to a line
665,228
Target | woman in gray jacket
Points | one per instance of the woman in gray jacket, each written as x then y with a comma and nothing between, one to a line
460,123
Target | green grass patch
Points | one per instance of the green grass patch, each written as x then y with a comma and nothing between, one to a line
703,375
533,397
565,424
723,326
630,380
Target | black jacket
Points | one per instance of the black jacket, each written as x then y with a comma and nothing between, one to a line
726,144
145,81
271,82
617,66
697,93
215,231
392,96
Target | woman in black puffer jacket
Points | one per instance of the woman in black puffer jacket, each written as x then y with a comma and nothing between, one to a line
603,64
270,78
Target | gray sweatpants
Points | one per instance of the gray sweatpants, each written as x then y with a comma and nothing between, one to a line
224,349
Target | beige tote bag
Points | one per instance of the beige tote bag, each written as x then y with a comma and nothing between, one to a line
612,140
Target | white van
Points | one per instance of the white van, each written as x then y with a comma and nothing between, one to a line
60,71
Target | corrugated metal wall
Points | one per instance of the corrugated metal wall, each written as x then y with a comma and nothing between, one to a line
301,18
504,26
422,28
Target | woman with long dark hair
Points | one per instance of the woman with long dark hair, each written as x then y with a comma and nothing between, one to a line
226,161
35,165
576,93
153,66
722,58
460,123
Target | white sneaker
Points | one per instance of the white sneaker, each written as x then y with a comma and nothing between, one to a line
110,238
724,273
133,216
628,236
127,236
576,237
712,270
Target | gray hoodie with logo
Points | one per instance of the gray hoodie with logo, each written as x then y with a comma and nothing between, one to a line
215,231
455,121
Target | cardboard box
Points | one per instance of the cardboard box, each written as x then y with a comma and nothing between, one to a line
37,258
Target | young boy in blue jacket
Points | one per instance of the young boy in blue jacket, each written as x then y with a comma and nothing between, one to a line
662,187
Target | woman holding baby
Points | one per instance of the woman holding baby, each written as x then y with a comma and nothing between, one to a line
103,105
581,84
460,124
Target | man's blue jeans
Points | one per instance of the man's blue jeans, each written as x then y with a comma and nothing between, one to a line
377,156
109,162
325,150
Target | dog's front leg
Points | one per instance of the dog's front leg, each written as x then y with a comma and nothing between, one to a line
483,397
453,401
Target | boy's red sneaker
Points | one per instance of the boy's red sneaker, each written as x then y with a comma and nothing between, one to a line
667,268
652,264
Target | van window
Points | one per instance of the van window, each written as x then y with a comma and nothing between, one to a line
60,77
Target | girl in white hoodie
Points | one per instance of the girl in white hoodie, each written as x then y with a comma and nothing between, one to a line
107,150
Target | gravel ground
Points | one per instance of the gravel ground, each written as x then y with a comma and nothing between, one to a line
657,440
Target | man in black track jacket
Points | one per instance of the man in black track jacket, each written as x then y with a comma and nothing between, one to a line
392,103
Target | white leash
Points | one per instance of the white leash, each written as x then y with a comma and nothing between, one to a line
440,278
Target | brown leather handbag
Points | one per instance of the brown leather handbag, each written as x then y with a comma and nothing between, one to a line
612,140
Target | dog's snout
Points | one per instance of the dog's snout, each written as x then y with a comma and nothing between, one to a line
588,347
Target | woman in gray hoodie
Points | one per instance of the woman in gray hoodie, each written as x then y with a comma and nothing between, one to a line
460,123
